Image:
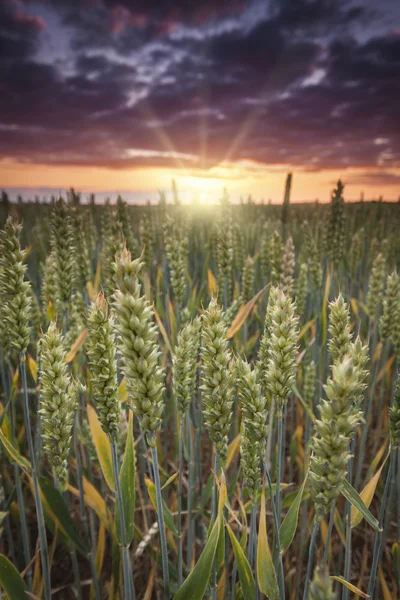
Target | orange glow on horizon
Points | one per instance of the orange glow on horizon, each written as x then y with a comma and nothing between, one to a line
241,179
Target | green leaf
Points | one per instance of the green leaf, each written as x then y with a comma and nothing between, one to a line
220,554
103,447
355,499
288,528
59,509
11,580
127,482
266,575
350,586
168,518
244,570
194,587
13,452
115,567
207,491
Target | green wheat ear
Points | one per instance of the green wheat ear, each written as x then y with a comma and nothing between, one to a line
376,285
394,416
338,422
100,349
287,268
63,247
58,402
248,280
309,386
302,289
387,320
321,586
184,365
281,367
217,383
254,426
176,247
339,329
265,344
15,292
138,345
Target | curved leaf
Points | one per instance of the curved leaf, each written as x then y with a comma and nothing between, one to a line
32,366
350,586
266,575
102,445
11,581
168,518
289,525
354,498
127,481
242,315
194,587
77,345
12,452
60,510
366,495
93,499
244,570
212,284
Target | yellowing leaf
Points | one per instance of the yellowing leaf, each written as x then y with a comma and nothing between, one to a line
90,290
212,284
306,327
221,588
32,366
350,586
222,494
78,343
377,352
232,450
170,480
93,499
243,314
384,586
354,306
50,312
354,498
14,384
366,495
102,445
266,574
385,370
245,574
101,544
123,391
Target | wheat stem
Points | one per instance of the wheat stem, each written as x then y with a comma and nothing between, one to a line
161,526
44,554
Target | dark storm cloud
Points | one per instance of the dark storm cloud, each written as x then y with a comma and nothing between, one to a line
95,82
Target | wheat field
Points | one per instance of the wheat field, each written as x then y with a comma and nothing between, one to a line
199,402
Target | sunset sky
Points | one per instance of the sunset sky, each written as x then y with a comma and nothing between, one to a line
124,95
